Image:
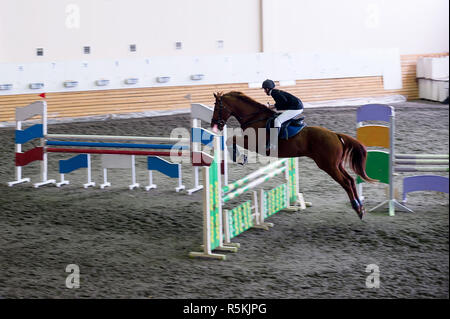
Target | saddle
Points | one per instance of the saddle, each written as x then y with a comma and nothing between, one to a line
288,129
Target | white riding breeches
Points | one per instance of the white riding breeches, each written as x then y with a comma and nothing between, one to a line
286,116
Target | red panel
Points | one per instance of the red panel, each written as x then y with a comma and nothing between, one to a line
201,159
35,154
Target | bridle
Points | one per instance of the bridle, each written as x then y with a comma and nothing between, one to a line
221,122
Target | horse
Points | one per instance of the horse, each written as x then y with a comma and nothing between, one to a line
329,150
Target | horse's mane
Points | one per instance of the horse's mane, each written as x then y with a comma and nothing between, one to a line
247,99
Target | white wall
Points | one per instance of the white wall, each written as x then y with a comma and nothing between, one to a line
413,26
281,39
63,27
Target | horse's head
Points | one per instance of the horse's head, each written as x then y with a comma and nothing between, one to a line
246,110
221,114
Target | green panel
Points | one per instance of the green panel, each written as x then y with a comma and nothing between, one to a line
377,166
293,196
214,201
275,200
240,219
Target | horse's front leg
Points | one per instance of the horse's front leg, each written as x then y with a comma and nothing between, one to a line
234,146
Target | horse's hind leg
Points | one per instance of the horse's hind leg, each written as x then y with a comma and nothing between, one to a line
335,172
353,186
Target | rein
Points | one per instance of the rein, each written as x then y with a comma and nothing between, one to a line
244,125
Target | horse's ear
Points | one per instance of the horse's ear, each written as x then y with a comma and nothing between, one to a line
215,95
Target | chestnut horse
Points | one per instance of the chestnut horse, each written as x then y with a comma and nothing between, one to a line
328,149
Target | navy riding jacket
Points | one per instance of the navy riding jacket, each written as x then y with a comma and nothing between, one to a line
285,100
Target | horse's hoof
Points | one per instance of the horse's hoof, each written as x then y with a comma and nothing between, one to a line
361,212
244,160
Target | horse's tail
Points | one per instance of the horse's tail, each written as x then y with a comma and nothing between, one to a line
355,154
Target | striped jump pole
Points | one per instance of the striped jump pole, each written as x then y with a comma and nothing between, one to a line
421,156
221,225
414,169
421,161
117,152
118,138
118,145
253,184
233,185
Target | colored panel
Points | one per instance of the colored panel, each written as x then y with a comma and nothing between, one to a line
293,180
201,112
240,219
201,159
425,183
200,135
118,145
163,166
74,163
30,133
214,201
373,135
35,154
26,112
274,200
377,166
374,112
116,161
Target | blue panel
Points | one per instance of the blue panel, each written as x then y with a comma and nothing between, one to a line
155,163
118,145
374,112
72,164
200,135
32,132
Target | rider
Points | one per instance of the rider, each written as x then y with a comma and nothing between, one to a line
284,101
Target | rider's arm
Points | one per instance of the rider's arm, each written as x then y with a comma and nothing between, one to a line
280,100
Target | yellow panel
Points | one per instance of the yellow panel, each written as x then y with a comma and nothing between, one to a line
373,135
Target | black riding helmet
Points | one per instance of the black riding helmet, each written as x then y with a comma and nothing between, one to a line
268,84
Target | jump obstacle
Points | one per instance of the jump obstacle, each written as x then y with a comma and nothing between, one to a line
199,113
112,158
382,165
219,225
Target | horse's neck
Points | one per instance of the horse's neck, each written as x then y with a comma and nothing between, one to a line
251,115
